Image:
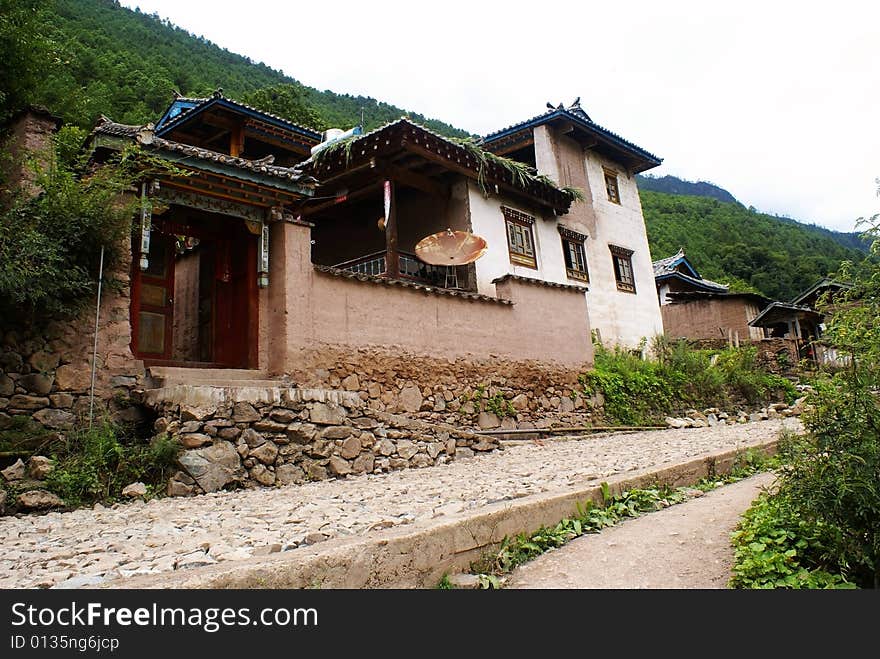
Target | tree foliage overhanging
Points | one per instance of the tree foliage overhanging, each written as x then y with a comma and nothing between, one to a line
50,242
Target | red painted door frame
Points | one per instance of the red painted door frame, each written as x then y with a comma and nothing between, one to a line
236,301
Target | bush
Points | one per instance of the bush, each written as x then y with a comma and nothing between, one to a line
833,476
828,502
773,548
641,391
96,464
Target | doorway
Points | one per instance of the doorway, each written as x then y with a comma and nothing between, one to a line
196,303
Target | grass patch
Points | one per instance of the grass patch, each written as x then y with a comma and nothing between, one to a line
95,465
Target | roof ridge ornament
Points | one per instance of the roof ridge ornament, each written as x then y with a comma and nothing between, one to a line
145,135
217,93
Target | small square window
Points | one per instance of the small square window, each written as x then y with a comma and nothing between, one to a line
520,242
611,186
623,270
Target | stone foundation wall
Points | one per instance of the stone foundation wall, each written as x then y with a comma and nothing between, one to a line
466,393
250,437
45,369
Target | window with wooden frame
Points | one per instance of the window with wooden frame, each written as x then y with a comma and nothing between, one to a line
623,269
575,254
520,241
611,188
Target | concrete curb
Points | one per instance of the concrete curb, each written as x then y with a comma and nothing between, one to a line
418,555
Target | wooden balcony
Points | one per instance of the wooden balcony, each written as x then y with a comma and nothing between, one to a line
411,268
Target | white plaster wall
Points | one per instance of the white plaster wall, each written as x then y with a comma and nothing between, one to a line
487,221
621,318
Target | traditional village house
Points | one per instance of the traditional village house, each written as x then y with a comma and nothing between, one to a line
698,308
241,264
602,242
272,259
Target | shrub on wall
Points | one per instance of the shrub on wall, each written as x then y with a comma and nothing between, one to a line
639,391
50,243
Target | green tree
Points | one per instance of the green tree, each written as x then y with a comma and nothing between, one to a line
50,244
833,481
288,101
23,51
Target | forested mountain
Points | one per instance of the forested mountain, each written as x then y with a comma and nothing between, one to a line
126,64
675,185
739,246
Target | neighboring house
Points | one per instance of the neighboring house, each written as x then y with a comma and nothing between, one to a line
698,308
676,274
801,321
602,242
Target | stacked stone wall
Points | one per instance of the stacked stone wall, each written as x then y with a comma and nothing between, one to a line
250,437
495,393
45,368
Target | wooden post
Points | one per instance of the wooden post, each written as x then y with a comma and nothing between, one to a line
236,141
392,257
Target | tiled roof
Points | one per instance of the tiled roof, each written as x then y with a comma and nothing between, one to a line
455,153
824,283
144,135
777,311
539,282
375,279
218,97
665,268
576,114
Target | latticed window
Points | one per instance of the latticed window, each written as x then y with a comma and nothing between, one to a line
574,253
611,186
623,270
520,242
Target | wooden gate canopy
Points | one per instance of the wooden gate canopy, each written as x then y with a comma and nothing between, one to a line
210,173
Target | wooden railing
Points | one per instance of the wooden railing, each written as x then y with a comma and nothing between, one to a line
410,268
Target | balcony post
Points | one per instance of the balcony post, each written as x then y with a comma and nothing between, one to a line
392,257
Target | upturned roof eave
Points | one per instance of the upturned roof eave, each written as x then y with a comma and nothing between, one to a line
648,160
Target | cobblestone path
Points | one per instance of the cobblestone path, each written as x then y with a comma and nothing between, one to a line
102,544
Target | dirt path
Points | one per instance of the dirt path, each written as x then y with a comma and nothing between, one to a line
684,546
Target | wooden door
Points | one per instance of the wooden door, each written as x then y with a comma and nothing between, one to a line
235,302
152,301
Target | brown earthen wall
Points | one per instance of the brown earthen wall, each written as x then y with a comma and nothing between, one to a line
706,319
317,309
29,137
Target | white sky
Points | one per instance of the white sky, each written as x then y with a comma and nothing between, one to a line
775,101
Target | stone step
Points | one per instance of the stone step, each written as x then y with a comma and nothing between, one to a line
164,376
262,383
